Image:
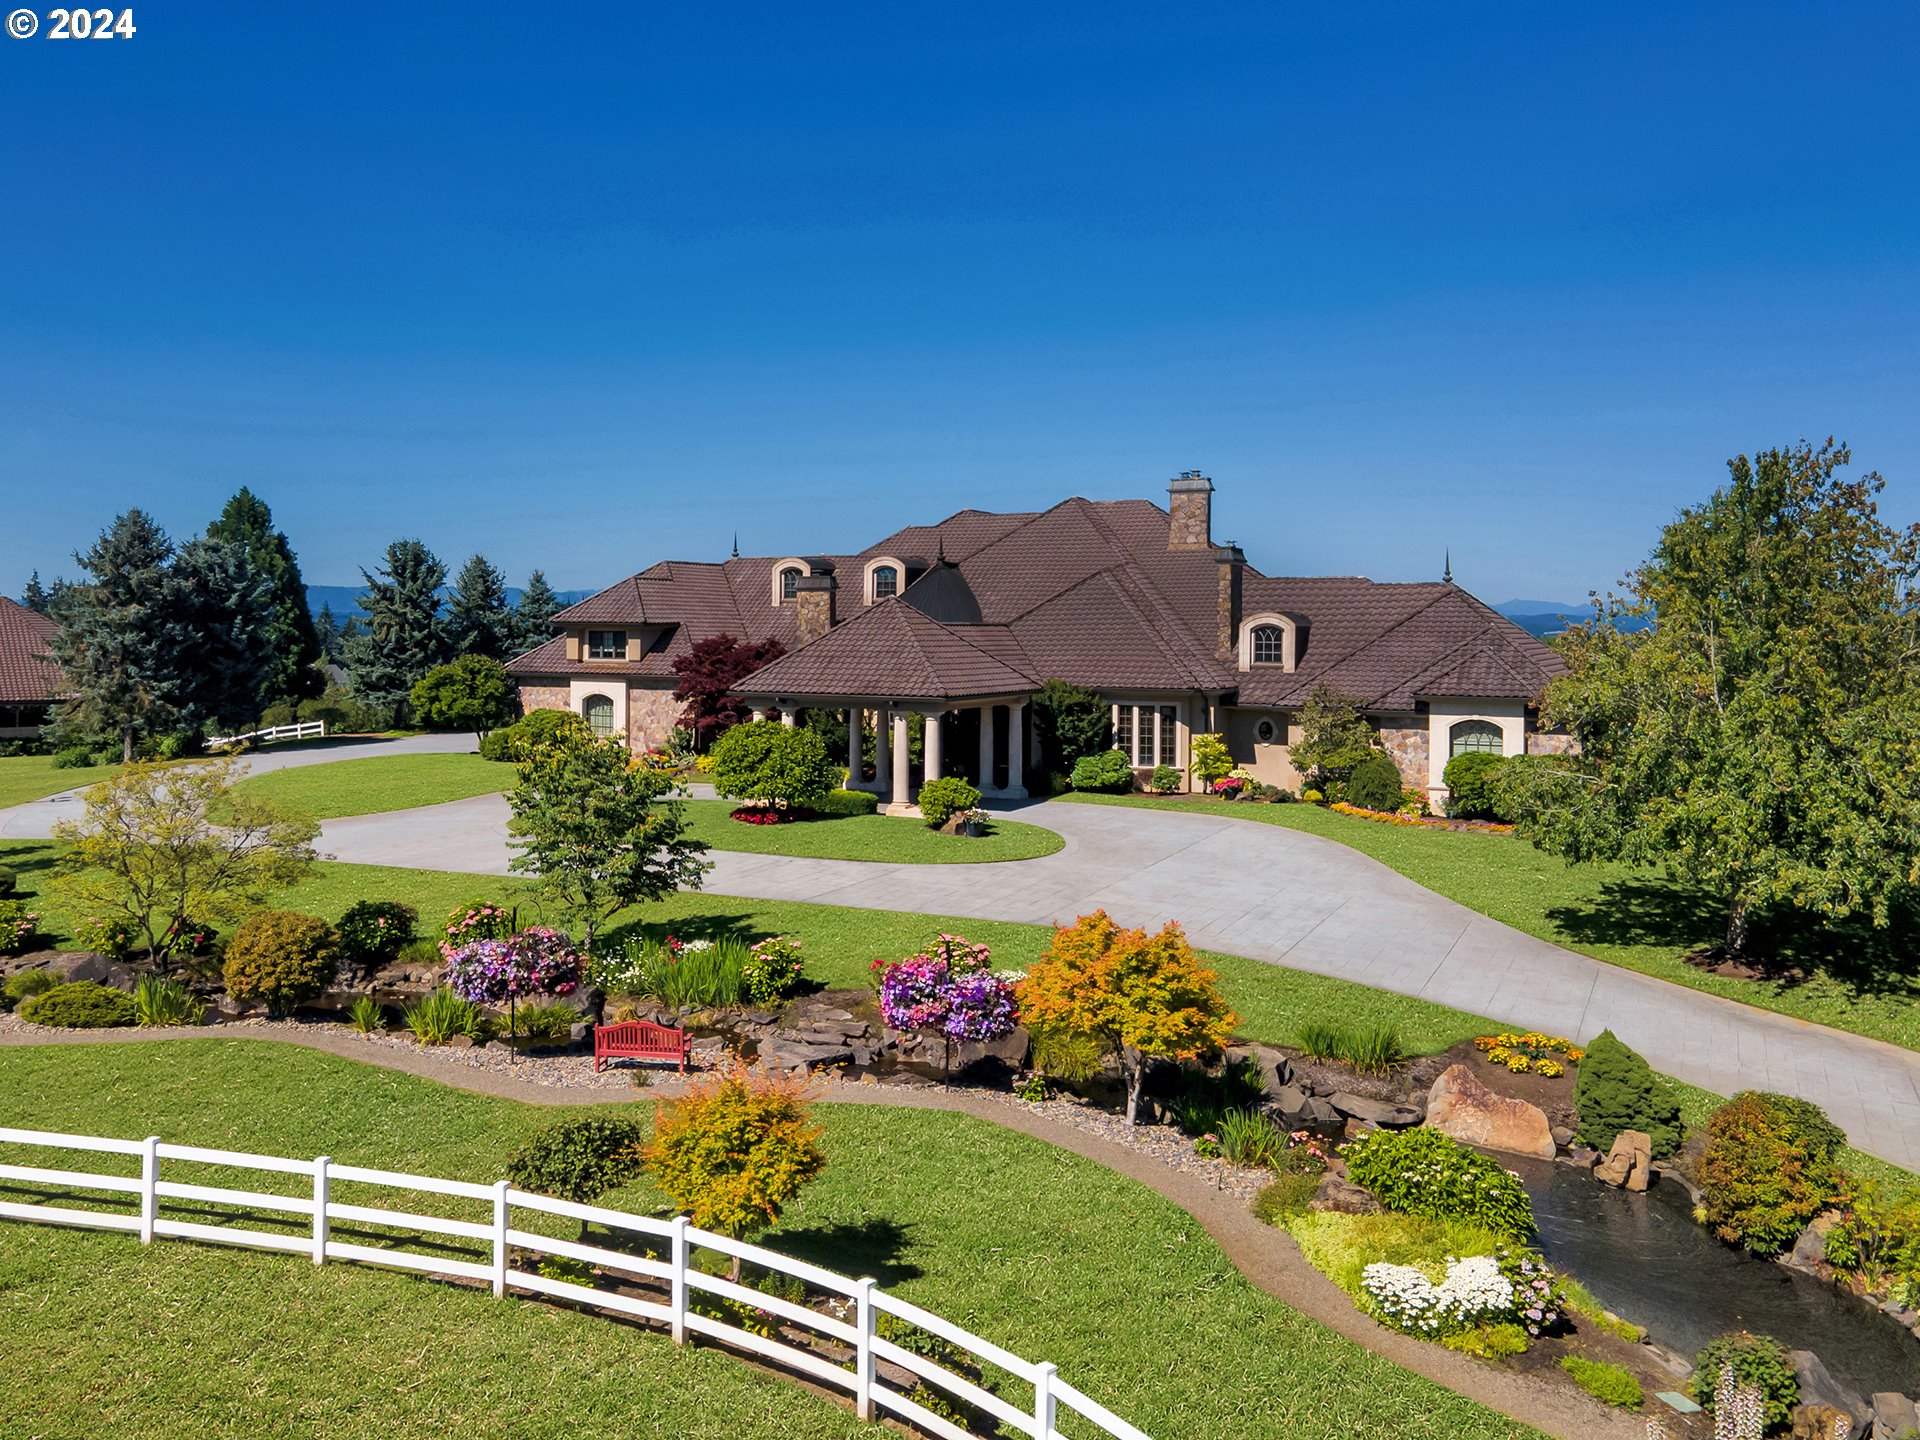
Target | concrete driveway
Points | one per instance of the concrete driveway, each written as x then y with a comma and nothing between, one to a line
1273,894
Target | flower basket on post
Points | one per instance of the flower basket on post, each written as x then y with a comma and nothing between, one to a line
536,961
948,989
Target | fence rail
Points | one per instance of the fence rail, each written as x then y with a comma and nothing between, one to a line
841,1347
305,730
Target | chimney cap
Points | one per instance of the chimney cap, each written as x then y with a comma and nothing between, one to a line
817,581
1187,481
1230,554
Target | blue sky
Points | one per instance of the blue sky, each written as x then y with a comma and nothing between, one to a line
583,287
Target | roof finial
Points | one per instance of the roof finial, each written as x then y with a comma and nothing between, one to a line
1446,577
736,544
940,546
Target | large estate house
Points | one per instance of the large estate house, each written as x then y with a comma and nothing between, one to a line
29,680
961,622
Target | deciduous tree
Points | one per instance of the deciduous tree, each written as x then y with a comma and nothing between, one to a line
1139,996
160,847
1761,736
598,833
776,764
708,672
468,693
1334,736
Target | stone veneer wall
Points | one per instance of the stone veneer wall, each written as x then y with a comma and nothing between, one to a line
1405,739
545,697
1551,742
651,715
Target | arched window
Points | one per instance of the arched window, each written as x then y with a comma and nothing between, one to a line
1470,736
1269,645
886,581
598,710
789,583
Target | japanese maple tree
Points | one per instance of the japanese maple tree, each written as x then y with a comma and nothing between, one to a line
708,672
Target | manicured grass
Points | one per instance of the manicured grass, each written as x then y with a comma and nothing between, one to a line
1862,982
1119,1288
380,783
839,942
32,777
866,837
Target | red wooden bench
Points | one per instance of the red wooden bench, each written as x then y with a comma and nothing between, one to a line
640,1040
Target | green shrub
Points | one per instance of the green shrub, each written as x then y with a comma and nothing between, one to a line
552,1021
1211,759
849,802
772,970
940,800
372,932
513,743
18,926
1375,783
166,1002
436,1018
1493,1342
1422,1172
367,1017
420,952
1064,1055
73,757
1877,1237
1472,781
1107,770
1768,1169
80,1005
110,938
1166,780
579,1160
26,983
1248,1137
280,958
8,881
1616,1090
1285,1197
710,975
1609,1384
774,763
1758,1360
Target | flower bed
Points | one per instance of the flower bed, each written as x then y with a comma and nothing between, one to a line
1427,822
1531,1053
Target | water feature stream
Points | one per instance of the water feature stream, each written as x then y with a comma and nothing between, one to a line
1644,1258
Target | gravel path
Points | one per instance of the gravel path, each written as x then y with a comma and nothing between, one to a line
1213,1193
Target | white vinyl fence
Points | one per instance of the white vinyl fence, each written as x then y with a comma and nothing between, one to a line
305,730
655,1282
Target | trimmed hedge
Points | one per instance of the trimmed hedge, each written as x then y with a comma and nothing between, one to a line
1110,770
281,958
940,800
849,802
80,1005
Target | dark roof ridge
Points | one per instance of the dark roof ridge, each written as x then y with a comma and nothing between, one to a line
1138,580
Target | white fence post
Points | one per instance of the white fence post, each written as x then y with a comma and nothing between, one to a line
863,1353
149,1187
320,1210
500,1238
1043,1412
680,1248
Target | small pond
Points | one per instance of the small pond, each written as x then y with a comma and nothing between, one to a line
1644,1258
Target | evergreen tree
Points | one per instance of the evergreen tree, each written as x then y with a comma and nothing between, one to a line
219,614
111,647
35,596
533,616
327,632
479,621
288,640
403,637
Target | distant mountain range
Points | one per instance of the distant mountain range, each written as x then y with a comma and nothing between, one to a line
1545,617
344,600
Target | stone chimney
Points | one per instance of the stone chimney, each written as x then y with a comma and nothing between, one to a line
1190,501
813,605
1232,560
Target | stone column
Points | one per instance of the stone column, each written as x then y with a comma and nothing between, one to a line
930,747
856,741
902,784
1016,752
759,715
986,751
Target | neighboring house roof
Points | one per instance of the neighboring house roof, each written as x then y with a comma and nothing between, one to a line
27,672
895,651
1087,592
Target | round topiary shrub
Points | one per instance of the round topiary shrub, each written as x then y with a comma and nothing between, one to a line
1375,783
280,958
1108,770
1756,1360
579,1160
1472,781
1617,1090
1422,1172
1768,1169
942,799
1166,780
80,1005
784,765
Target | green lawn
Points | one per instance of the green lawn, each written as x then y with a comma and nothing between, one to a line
1866,983
32,777
1119,1288
379,783
867,837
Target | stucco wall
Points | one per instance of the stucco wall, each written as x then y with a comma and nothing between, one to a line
1269,763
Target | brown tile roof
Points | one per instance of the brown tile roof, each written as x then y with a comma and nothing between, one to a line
27,672
893,651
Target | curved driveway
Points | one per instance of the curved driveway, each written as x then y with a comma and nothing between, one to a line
1272,894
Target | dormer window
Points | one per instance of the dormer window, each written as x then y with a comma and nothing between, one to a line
886,581
1269,645
886,574
1271,640
787,575
606,645
789,583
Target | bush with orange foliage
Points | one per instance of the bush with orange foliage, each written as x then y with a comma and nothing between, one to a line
1140,997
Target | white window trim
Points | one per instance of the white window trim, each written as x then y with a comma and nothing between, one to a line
1153,709
792,562
899,570
580,689
1289,641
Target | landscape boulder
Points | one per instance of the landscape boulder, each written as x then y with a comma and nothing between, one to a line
1818,1390
1342,1197
1809,1252
785,1052
1461,1107
1630,1162
1894,1415
1383,1113
74,965
1275,1069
